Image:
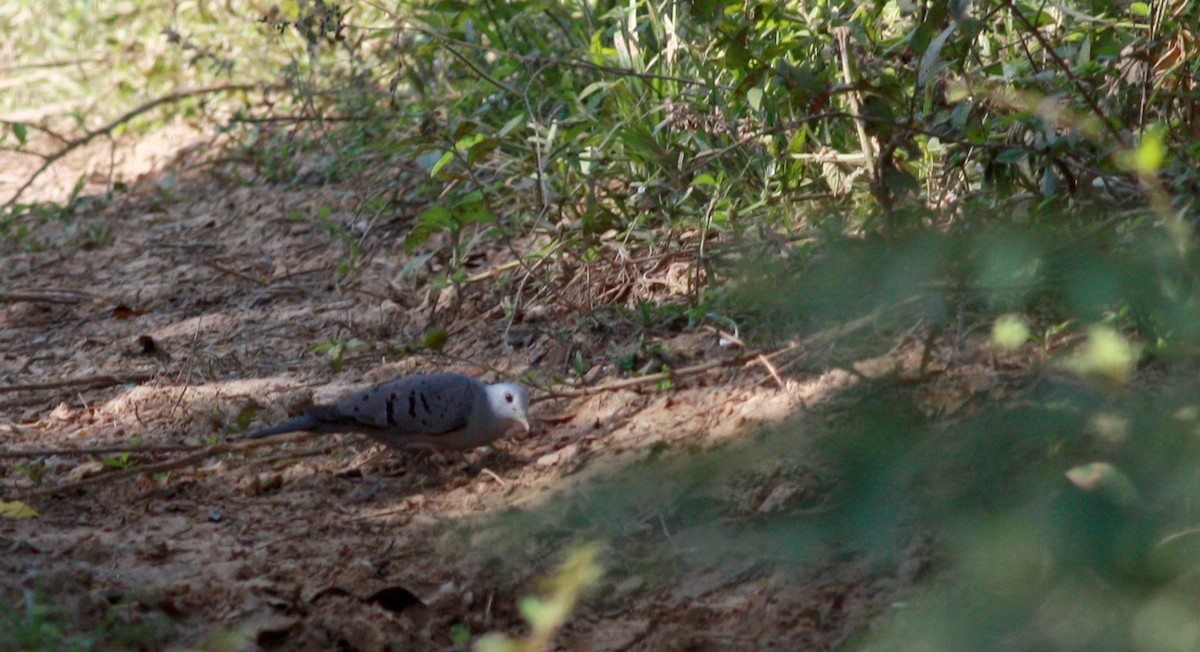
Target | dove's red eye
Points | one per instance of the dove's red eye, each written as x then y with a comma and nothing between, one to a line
508,397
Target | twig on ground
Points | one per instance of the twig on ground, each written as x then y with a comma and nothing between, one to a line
106,478
746,357
100,450
762,359
170,465
643,380
492,474
48,296
107,129
233,272
103,380
187,382
311,452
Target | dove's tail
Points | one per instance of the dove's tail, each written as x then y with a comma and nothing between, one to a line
299,424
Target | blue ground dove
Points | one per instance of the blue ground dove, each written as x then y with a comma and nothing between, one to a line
448,411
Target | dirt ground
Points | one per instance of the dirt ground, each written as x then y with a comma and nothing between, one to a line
177,315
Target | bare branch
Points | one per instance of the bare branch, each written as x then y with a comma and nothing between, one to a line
102,380
107,129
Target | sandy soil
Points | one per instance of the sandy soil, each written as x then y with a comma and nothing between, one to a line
179,316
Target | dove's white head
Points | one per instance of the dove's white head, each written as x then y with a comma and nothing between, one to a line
510,404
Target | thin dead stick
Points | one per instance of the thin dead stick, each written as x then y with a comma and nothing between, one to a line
191,361
131,472
849,78
495,477
744,358
107,129
87,381
99,450
42,297
643,380
762,359
233,272
495,271
170,465
287,457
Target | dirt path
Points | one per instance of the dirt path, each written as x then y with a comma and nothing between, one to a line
199,306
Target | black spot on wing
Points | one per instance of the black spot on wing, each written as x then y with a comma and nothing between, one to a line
412,405
391,410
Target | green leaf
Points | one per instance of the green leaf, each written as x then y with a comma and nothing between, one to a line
514,122
21,131
481,148
755,97
498,643
418,236
465,144
460,634
474,213
543,615
335,350
435,340
335,358
441,163
931,60
438,216
16,510
1148,157
1106,357
1009,332
736,57
245,416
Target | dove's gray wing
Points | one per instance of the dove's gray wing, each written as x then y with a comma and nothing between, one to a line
426,404
414,408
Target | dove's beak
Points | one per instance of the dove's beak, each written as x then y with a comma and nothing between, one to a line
524,423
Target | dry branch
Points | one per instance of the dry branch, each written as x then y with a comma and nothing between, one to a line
169,465
107,129
103,380
745,358
99,450
53,296
651,378
233,272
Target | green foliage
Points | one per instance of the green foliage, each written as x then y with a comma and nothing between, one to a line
665,122
335,350
1009,333
42,225
546,615
435,339
35,471
241,422
1005,165
119,461
460,634
118,51
337,231
40,624
21,131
